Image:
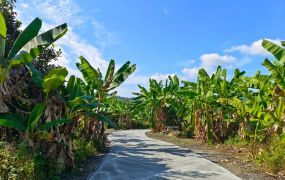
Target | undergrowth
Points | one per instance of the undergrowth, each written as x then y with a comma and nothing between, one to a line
16,162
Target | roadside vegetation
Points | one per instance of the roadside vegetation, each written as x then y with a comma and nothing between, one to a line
50,123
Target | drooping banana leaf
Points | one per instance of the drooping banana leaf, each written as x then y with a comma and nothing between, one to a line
275,72
110,71
54,79
277,51
90,75
12,121
35,116
27,35
36,45
47,38
3,32
121,75
35,75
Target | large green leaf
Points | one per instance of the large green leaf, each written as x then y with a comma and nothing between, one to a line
203,75
54,79
122,69
70,84
28,34
144,91
119,78
2,37
35,74
110,71
280,110
3,26
176,80
12,121
276,50
88,72
275,71
24,58
45,39
75,87
76,103
90,75
35,116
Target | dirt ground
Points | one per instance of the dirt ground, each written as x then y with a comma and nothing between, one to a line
232,158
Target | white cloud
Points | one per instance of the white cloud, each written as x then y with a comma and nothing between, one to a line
160,77
191,73
210,62
79,47
254,48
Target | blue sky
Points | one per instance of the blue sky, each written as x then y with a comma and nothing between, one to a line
162,37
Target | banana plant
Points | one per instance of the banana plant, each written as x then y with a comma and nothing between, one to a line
27,46
76,99
161,102
151,102
277,70
121,111
79,102
112,79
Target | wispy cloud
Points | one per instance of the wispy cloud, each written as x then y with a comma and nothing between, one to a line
55,12
24,5
104,38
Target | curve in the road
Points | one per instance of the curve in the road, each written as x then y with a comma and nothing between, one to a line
133,155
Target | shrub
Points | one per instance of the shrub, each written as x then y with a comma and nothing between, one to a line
273,156
13,165
83,150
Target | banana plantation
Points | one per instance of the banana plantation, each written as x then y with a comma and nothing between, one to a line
51,117
215,107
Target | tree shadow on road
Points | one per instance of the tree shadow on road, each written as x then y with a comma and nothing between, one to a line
133,158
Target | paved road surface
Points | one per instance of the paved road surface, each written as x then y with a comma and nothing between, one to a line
133,155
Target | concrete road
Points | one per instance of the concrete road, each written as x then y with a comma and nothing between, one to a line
133,155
